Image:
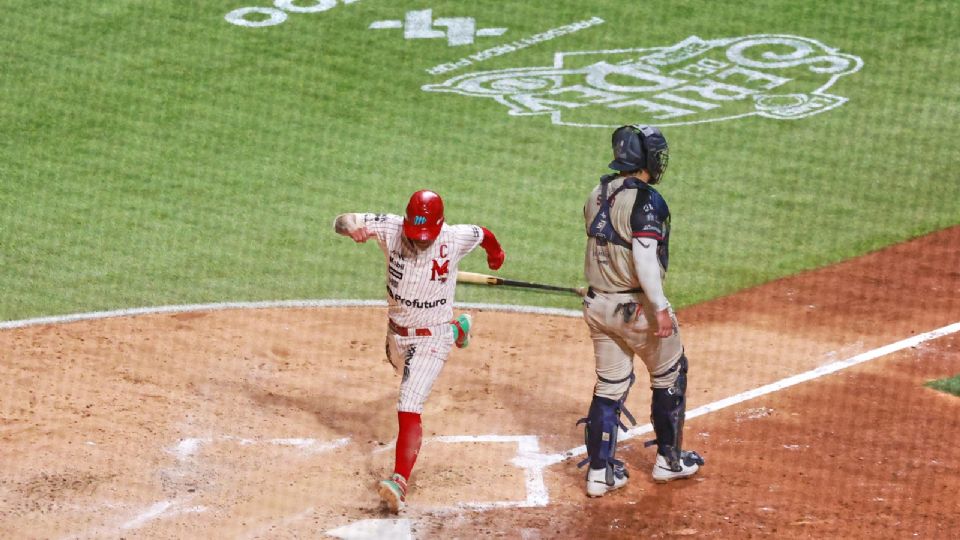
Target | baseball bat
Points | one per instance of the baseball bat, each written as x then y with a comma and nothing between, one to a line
485,279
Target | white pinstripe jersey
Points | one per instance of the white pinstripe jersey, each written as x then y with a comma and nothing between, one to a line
420,284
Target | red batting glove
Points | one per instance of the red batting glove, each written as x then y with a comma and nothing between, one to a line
495,259
495,254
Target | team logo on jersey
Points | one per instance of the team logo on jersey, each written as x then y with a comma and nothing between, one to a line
694,81
441,270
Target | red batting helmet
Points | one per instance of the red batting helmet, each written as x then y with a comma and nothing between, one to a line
424,216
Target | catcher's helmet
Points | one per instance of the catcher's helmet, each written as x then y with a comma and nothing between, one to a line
424,216
640,147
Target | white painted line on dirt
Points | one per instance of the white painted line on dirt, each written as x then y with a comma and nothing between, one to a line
825,369
187,447
154,511
312,446
222,306
480,438
385,529
537,494
158,510
528,458
239,440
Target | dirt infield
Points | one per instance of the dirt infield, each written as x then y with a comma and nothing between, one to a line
277,423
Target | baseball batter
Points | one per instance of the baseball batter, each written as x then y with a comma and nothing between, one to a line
628,234
422,254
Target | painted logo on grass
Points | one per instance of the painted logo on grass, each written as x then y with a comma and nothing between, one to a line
694,81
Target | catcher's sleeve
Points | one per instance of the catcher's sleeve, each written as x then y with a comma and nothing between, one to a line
648,271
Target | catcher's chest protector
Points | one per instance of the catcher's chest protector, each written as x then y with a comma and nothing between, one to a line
601,227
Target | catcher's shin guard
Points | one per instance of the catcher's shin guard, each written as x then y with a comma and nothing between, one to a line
600,434
667,413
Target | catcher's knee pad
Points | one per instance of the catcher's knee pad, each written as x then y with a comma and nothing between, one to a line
674,376
614,388
668,409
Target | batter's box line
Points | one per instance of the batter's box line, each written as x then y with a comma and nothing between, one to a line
787,382
528,458
191,445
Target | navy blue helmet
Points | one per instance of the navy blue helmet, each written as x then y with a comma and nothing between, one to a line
640,147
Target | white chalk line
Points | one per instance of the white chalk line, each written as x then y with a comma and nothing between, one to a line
286,304
189,446
793,380
160,509
533,462
381,529
154,511
529,458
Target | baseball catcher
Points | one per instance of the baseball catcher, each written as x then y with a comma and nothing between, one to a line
422,253
628,234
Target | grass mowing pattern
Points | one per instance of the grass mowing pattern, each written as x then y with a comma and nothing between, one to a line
153,153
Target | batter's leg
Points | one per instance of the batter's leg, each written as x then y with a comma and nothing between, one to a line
424,358
408,442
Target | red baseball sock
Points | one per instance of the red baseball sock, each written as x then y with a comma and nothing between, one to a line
408,442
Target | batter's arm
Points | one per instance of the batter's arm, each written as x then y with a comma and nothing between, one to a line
647,266
350,225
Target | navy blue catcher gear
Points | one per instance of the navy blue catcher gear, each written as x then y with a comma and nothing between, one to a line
668,409
640,147
600,434
600,431
602,226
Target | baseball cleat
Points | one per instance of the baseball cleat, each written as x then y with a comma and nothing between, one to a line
393,492
687,466
461,330
597,485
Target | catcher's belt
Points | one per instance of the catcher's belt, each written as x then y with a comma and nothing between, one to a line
592,293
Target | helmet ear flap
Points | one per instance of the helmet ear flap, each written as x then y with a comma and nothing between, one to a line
655,151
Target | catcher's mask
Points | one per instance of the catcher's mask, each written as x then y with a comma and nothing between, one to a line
424,217
640,147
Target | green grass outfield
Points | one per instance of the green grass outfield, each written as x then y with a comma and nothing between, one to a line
152,153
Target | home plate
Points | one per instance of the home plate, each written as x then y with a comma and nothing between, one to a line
383,529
